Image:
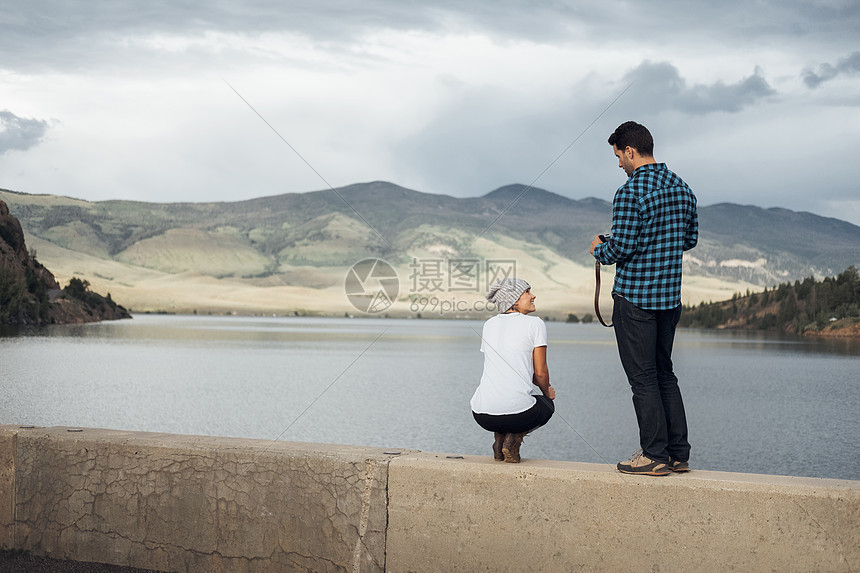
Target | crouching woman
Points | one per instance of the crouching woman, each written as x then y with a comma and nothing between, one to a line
514,396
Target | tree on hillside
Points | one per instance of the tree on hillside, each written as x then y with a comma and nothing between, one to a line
791,307
77,288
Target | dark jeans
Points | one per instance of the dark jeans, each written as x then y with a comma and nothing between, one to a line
645,340
531,419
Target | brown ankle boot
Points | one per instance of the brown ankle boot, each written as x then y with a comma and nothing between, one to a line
498,455
511,447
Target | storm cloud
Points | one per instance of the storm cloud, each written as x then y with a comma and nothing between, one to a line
444,97
664,88
848,65
18,133
60,35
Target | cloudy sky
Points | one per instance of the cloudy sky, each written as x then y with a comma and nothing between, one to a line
750,102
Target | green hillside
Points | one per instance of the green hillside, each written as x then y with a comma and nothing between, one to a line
798,307
761,246
309,240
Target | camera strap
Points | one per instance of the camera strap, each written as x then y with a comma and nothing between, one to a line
597,294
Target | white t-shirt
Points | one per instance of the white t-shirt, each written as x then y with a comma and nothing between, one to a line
508,342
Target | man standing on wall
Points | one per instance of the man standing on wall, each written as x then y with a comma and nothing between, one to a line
654,220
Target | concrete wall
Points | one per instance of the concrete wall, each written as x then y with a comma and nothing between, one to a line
183,503
561,516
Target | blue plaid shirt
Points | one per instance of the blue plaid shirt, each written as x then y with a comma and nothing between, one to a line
654,220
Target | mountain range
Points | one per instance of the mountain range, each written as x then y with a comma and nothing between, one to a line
291,253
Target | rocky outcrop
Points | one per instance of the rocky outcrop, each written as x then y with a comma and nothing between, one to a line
13,251
29,293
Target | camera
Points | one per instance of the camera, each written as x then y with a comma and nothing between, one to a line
604,237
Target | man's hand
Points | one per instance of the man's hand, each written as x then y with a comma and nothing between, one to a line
594,243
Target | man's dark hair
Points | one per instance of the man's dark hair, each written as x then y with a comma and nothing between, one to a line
633,135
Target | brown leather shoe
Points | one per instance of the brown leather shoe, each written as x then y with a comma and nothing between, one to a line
643,465
498,454
678,466
511,447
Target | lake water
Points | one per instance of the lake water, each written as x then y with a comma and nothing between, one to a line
755,402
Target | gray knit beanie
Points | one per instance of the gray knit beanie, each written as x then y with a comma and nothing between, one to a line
505,293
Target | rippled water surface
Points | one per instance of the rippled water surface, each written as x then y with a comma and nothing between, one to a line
754,403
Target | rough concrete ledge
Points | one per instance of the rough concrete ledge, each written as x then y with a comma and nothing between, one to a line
8,447
186,503
474,514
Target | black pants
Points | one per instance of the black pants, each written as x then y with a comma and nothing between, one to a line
521,422
645,339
